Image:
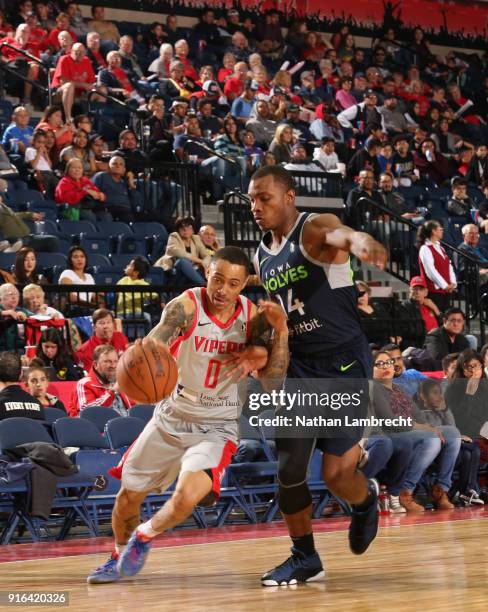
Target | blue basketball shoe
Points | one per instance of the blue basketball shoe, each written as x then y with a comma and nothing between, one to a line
364,523
297,568
134,555
107,572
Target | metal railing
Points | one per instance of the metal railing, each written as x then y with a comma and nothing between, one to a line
399,236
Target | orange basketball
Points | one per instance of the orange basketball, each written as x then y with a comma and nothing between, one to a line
147,372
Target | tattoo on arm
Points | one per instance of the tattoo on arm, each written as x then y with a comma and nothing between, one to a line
272,375
174,320
260,331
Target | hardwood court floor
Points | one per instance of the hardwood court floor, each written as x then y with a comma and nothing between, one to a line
434,562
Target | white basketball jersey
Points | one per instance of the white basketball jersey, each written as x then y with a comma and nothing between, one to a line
202,393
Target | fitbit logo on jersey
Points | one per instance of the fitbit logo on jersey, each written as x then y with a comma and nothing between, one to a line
300,399
281,278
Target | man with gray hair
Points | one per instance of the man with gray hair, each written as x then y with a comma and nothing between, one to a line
119,187
73,77
471,246
11,314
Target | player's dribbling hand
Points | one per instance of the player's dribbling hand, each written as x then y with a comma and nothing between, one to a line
239,365
369,250
274,313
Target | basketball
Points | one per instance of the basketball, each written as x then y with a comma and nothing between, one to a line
147,372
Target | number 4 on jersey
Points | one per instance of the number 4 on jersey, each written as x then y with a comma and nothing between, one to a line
292,304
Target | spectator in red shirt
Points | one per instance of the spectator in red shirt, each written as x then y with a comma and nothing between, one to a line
234,85
227,71
114,80
419,313
18,62
99,388
103,333
79,192
37,34
62,23
73,76
182,51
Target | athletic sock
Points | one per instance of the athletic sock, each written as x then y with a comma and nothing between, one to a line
146,531
304,544
366,504
118,550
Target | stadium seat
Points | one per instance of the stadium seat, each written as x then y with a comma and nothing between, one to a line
142,411
108,275
120,260
156,276
94,243
49,260
7,260
6,109
122,432
20,430
159,247
128,243
45,227
24,197
53,414
99,416
95,260
79,433
113,228
142,229
75,228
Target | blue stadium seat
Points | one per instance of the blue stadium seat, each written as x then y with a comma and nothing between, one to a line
7,260
45,227
122,432
108,275
24,196
53,414
6,109
156,276
78,432
98,415
142,411
120,260
20,430
128,243
95,260
49,260
158,247
94,243
142,229
454,234
75,228
113,228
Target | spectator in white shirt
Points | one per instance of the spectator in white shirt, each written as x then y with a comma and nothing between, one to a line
326,155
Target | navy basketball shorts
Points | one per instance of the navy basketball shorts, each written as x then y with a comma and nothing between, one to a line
346,372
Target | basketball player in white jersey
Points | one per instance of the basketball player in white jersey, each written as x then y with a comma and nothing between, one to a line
218,338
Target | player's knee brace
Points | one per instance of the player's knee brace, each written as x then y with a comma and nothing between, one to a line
294,498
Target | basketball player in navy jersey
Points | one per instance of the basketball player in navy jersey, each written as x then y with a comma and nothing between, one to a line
218,337
303,262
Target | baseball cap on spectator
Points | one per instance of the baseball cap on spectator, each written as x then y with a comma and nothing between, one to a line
293,108
458,180
252,84
211,88
418,281
307,74
297,146
178,102
277,91
232,13
370,92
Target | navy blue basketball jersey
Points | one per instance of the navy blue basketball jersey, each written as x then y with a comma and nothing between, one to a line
320,299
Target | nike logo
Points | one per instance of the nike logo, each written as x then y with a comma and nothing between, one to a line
202,324
345,368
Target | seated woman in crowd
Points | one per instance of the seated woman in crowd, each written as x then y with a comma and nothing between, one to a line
79,149
25,267
228,144
84,198
80,304
426,443
53,354
282,143
433,410
37,382
467,394
52,119
11,314
374,318
186,254
33,297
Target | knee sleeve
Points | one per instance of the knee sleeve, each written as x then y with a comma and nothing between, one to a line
295,498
